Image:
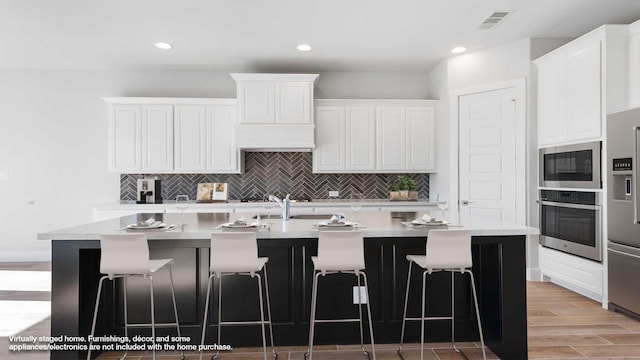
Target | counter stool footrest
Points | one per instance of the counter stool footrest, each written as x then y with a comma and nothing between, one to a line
148,325
257,322
336,320
431,318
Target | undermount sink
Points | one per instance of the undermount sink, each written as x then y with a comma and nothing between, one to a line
300,217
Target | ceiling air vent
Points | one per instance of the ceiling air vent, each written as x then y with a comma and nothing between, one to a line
494,19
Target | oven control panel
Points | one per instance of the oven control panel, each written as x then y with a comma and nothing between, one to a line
572,197
622,164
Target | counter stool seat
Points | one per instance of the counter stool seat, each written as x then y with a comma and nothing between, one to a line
340,252
236,253
446,250
127,255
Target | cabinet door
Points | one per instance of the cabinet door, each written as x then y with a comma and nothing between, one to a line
421,126
222,155
584,98
190,137
360,138
157,138
391,135
552,99
125,147
257,102
329,154
293,102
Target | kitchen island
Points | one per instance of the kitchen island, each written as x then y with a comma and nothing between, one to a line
499,267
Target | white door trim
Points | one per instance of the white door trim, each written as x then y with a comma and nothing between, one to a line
519,86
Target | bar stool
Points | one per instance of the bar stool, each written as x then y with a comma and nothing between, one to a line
236,253
447,250
127,255
340,252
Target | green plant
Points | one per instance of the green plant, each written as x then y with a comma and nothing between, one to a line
413,185
401,183
395,185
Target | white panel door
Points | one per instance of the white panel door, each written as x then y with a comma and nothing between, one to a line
293,103
487,154
421,127
222,155
157,138
584,99
329,154
392,136
361,140
552,100
190,138
257,102
125,145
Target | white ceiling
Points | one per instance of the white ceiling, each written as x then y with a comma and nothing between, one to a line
261,35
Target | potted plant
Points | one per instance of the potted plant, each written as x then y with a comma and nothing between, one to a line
413,190
404,187
394,194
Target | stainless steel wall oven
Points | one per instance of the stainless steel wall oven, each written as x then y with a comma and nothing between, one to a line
571,166
571,221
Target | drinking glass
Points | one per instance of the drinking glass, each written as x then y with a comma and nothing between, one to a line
182,203
443,206
356,203
266,204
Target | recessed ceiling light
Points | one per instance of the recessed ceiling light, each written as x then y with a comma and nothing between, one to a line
458,50
163,46
304,47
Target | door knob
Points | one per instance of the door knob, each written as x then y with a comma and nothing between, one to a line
465,202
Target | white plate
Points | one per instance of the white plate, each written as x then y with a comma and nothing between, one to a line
239,226
332,224
155,225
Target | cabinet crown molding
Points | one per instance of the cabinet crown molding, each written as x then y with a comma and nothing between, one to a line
169,101
274,77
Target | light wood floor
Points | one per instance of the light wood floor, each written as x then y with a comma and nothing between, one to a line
561,325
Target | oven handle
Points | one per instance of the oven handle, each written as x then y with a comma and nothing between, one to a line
635,176
573,206
623,254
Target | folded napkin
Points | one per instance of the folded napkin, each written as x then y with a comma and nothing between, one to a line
240,222
424,220
150,221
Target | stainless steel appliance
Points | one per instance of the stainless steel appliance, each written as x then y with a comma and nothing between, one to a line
571,166
571,221
623,189
149,191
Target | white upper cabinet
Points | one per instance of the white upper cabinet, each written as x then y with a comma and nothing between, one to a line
584,93
191,137
172,135
374,136
222,155
275,111
360,138
329,154
140,138
552,99
391,127
634,64
579,83
421,129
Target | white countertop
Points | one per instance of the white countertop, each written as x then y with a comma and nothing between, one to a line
315,203
374,224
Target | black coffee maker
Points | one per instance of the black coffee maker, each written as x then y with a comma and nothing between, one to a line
149,191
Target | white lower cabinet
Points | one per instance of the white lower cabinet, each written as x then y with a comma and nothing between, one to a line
580,275
368,136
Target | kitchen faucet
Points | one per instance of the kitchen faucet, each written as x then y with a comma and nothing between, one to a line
285,204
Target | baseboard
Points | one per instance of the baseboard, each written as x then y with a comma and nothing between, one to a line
576,289
534,274
16,256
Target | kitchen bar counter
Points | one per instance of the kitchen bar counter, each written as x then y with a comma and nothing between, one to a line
499,267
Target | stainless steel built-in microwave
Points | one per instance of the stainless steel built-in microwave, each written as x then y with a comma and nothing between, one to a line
571,166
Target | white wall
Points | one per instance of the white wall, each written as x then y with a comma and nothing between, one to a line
53,138
489,66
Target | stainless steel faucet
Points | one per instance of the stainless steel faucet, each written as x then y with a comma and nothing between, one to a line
285,204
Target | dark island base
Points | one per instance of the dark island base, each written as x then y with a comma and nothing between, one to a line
499,268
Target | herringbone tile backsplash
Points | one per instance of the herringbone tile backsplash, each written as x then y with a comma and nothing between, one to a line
277,173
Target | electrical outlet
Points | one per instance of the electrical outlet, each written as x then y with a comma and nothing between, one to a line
363,295
334,194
